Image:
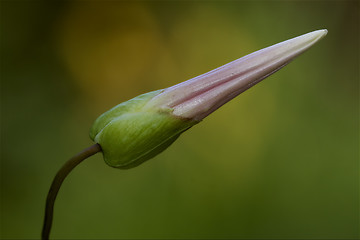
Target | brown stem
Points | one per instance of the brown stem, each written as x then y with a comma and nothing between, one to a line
56,184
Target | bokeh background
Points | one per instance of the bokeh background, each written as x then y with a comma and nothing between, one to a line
279,161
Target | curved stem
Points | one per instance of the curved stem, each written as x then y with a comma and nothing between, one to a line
56,184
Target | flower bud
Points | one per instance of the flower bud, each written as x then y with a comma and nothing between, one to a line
139,129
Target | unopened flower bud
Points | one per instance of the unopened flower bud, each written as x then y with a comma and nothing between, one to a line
139,129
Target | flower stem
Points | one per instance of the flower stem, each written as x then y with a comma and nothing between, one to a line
56,184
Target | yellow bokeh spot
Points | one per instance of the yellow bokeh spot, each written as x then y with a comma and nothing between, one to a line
109,48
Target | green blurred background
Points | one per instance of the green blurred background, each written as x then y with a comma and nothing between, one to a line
279,161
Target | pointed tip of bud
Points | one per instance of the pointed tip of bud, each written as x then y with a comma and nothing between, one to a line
321,32
314,36
198,97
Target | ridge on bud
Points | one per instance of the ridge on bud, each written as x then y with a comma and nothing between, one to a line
139,129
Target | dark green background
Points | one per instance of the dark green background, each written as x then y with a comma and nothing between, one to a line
279,161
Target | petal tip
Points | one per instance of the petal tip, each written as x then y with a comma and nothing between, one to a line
320,33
